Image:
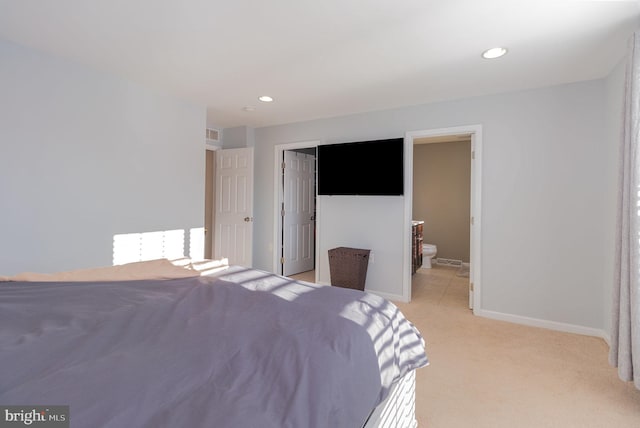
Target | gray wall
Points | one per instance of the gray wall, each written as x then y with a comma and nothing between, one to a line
84,156
369,222
547,168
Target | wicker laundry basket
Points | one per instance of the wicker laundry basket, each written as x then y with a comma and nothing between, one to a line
348,267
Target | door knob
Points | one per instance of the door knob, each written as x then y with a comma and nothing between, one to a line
247,219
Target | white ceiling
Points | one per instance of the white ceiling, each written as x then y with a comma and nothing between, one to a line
323,58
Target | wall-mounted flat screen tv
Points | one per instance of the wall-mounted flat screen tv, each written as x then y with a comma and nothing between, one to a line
362,168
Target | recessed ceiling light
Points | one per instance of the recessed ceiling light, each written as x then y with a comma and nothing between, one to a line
248,108
494,53
265,99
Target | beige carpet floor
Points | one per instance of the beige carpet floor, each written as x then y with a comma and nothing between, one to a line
485,373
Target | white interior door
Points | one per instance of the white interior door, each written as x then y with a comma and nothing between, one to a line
234,205
298,229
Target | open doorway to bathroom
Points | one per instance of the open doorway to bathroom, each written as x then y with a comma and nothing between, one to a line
446,197
442,201
442,197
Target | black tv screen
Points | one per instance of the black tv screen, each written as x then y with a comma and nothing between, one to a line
361,168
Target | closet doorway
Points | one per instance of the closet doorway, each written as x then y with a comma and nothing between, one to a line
295,216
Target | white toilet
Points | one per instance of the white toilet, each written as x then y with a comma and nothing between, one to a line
428,252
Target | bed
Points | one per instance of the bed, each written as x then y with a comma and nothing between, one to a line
205,345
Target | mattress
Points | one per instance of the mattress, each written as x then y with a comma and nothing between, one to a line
240,348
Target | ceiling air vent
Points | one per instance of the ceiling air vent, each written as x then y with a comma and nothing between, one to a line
213,135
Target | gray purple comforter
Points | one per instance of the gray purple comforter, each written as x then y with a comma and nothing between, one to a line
241,349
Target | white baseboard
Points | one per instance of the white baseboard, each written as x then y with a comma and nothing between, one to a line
551,325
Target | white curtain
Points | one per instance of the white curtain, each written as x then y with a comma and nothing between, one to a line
625,327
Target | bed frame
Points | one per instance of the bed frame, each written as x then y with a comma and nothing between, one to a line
398,410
